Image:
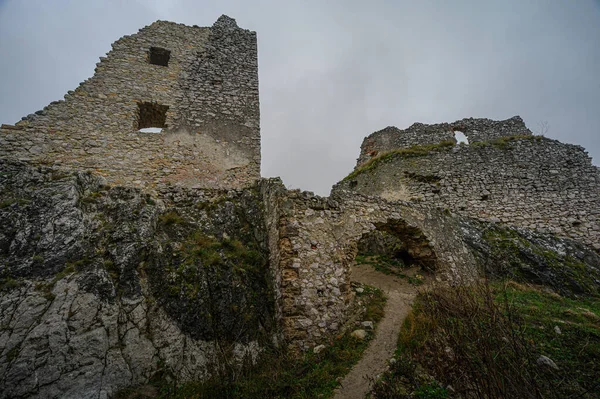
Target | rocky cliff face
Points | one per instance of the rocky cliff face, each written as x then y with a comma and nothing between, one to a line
103,287
565,266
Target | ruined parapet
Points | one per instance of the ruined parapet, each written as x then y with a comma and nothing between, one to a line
521,180
198,84
476,130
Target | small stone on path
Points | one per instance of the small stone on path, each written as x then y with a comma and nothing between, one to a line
359,334
546,361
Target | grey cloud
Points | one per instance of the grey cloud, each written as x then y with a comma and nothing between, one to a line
333,72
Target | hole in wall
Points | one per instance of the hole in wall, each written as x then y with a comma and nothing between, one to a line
151,130
461,138
159,56
152,116
393,247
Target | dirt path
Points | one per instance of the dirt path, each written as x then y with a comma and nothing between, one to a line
400,295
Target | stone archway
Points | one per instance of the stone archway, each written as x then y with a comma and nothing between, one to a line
317,244
400,244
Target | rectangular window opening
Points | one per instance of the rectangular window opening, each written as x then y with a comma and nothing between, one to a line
159,56
152,116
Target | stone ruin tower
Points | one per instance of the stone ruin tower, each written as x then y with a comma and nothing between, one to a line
198,86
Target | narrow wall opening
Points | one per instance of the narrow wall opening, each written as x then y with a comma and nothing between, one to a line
461,138
397,249
159,56
152,117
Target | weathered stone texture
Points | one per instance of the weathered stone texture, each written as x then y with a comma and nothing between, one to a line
318,241
562,264
211,136
531,182
392,138
105,285
103,288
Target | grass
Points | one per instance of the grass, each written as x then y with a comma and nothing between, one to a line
170,219
209,252
485,340
426,149
576,350
92,197
389,266
46,288
280,374
7,203
10,201
564,273
383,264
414,151
8,284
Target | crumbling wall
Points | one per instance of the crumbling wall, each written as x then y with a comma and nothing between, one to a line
318,242
476,130
209,90
530,182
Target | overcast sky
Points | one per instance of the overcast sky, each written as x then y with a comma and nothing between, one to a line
332,72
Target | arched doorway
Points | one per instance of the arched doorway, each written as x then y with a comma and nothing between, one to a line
397,249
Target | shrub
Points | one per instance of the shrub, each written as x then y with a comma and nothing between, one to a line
170,219
470,338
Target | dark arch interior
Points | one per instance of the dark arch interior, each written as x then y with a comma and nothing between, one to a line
399,244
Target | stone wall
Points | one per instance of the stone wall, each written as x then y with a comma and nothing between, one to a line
531,182
318,242
476,130
209,89
83,262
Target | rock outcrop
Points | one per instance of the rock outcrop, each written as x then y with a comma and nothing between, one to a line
105,287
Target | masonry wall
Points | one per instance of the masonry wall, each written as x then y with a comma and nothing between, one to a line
211,136
318,242
530,182
477,130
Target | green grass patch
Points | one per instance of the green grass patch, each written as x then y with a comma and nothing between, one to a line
10,201
6,203
390,266
281,374
92,197
576,349
9,283
170,219
426,149
485,340
46,287
383,264
502,142
414,151
564,273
